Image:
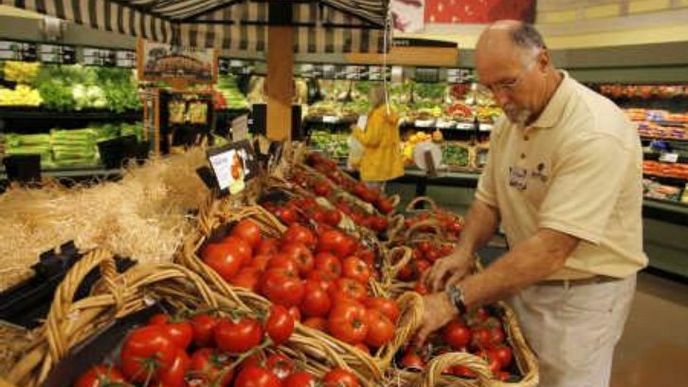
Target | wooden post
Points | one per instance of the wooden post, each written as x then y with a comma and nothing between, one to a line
279,81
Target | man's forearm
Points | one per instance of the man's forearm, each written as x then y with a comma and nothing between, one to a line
481,224
527,263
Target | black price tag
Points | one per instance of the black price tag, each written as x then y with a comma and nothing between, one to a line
125,59
99,57
460,75
427,74
223,66
20,51
52,53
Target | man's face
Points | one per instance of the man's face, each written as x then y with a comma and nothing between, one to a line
513,77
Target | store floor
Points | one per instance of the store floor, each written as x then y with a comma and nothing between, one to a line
653,350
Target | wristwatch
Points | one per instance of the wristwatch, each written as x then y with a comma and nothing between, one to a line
455,295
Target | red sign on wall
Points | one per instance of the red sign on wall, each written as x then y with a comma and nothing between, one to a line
478,11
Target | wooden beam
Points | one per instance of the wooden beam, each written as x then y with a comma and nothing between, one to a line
279,81
410,56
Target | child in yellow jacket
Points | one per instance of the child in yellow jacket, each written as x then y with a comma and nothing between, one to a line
381,160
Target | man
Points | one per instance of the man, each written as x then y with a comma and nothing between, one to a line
564,178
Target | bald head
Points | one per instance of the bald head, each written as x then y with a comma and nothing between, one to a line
509,38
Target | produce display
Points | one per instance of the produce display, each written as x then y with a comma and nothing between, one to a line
655,190
333,144
70,87
206,349
643,91
455,155
21,95
676,170
231,97
660,124
68,147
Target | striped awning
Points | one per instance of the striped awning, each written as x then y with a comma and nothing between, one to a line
322,26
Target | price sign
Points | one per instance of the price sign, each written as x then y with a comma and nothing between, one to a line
240,128
126,59
233,165
426,74
668,157
21,51
353,72
329,71
330,119
485,127
99,57
51,53
465,126
397,74
459,75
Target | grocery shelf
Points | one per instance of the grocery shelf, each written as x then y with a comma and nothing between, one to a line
30,113
664,210
667,139
666,179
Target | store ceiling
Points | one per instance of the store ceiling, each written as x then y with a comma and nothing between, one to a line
321,26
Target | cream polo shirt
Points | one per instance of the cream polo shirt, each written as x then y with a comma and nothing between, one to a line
578,170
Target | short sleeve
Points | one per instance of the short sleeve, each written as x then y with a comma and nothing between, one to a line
486,191
586,183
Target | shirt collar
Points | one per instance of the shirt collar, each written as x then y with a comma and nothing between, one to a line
555,107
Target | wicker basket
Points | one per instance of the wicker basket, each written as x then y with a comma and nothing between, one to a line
117,295
320,345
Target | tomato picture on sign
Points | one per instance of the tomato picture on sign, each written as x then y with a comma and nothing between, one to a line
478,11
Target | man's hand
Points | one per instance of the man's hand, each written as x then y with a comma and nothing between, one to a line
450,269
437,312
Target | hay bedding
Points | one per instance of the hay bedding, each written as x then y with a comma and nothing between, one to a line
145,215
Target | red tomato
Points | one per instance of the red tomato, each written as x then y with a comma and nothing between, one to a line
337,243
159,319
268,246
412,360
295,313
378,223
340,377
424,246
321,277
280,324
100,376
253,376
422,265
321,188
356,269
480,338
333,217
299,379
503,354
301,254
420,288
280,365
203,326
316,302
287,215
297,233
408,272
445,250
352,288
348,322
492,361
181,333
238,336
496,335
145,351
173,376
282,288
457,335
247,278
285,262
380,328
242,247
207,366
432,255
248,231
317,323
222,258
261,261
329,264
503,376
366,255
389,307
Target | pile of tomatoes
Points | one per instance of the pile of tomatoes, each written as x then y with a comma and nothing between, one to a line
479,333
448,222
322,278
304,211
208,350
425,253
358,189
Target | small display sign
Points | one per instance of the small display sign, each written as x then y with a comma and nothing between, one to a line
460,75
233,165
161,61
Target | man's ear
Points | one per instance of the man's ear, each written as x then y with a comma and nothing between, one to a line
543,59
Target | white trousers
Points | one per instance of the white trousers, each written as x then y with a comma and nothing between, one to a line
573,329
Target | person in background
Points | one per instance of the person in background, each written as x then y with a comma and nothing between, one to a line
564,179
381,160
